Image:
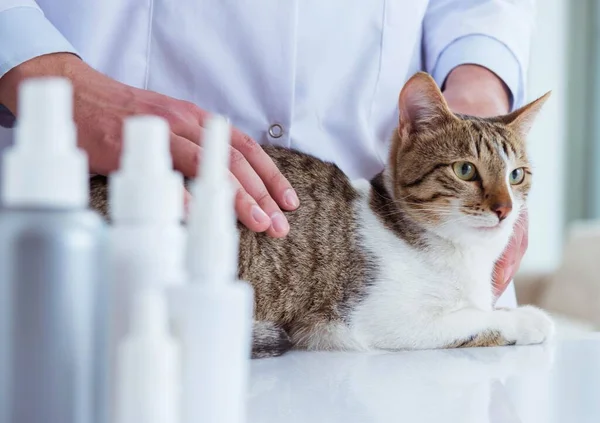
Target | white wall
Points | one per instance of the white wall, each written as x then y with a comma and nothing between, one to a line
548,71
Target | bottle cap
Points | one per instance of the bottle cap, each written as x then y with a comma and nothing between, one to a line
45,168
146,189
216,143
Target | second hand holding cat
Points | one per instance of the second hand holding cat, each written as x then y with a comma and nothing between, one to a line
476,91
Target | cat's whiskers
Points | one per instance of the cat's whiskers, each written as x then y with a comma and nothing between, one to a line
453,221
402,212
401,206
428,206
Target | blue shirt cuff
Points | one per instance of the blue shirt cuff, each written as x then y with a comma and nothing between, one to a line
484,51
25,33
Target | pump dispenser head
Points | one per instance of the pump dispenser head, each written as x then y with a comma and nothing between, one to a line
214,169
146,189
45,168
213,239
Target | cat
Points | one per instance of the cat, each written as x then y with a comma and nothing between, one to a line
405,260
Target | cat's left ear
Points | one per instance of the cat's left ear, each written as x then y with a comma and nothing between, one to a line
521,120
422,105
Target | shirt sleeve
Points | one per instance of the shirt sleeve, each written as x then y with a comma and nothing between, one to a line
25,33
495,34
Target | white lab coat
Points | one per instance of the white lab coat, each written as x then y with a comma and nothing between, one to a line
327,71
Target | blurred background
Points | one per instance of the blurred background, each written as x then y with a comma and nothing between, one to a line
561,271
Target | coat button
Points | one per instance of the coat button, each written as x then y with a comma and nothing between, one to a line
276,130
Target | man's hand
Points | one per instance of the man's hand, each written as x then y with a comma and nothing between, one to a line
101,104
476,91
509,263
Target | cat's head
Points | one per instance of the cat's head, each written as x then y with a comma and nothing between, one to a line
458,176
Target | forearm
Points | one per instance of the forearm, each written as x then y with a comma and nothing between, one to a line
475,90
55,64
491,34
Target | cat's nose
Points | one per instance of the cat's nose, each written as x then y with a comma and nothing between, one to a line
502,210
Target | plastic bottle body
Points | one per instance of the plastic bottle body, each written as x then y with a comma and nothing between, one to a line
141,256
141,385
213,313
55,288
148,365
214,323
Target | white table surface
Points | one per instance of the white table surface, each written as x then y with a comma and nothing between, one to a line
559,382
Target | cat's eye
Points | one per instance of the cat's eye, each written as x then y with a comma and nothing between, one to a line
465,171
517,176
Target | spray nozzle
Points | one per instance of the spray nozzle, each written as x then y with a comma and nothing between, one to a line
215,164
212,242
146,189
45,168
45,108
146,145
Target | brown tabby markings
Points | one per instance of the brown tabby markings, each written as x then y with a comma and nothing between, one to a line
422,164
269,339
316,275
394,218
489,338
99,195
318,272
426,178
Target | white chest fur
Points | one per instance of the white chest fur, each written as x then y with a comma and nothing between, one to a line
416,286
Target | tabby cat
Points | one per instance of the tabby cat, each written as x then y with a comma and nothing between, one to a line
403,261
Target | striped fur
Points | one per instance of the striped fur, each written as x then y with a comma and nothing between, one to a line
403,261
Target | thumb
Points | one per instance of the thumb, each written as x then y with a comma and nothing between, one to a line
498,282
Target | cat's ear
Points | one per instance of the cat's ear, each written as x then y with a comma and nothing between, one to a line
421,104
521,120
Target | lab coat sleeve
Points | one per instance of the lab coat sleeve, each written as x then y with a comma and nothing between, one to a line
25,33
495,34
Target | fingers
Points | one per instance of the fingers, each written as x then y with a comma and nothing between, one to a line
509,263
524,223
257,177
191,132
503,270
182,117
187,199
186,157
518,247
248,211
277,185
254,186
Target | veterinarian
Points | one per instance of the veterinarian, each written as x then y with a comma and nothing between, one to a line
319,76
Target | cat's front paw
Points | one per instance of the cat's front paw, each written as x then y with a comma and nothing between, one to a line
527,325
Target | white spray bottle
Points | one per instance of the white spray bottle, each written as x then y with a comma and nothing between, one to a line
148,364
214,311
146,209
53,284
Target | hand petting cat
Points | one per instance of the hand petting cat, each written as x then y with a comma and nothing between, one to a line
402,261
476,91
